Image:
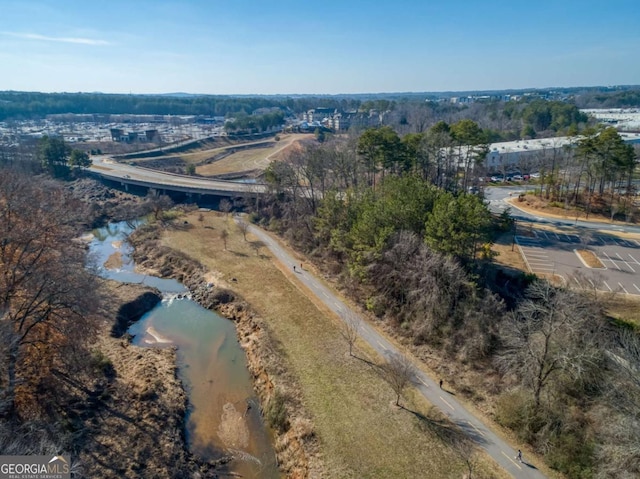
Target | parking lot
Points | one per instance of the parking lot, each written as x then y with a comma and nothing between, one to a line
552,253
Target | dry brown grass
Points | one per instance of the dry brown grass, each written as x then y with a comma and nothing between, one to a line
625,309
589,258
253,158
541,207
133,423
508,253
361,433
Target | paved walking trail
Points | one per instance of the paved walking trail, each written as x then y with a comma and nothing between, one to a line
499,450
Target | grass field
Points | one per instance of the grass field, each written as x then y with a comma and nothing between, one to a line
361,433
253,158
256,156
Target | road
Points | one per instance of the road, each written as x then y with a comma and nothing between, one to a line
481,434
497,196
111,169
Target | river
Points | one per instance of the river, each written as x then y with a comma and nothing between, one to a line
224,413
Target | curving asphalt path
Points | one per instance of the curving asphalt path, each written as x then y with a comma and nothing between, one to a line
475,428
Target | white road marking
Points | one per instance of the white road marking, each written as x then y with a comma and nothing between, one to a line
634,285
514,462
445,401
325,294
338,306
637,242
628,265
577,282
633,259
381,345
605,283
423,382
623,288
592,285
612,262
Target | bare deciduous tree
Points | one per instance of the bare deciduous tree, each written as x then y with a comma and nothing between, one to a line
350,328
224,235
243,226
398,372
553,332
158,203
256,245
226,206
46,294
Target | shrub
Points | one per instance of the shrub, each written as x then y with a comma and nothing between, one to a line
101,363
276,412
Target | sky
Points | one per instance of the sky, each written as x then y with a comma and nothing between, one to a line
316,47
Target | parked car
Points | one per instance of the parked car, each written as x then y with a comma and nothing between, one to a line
517,177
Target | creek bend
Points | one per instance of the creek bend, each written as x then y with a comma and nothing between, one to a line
224,413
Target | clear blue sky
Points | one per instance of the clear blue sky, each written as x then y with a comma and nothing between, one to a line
303,46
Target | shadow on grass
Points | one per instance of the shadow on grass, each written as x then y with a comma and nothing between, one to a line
365,360
452,434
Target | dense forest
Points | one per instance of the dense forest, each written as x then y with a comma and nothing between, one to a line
415,251
27,105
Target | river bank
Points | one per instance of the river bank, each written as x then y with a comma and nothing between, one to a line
135,412
295,444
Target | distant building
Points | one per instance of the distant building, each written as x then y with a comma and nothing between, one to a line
117,134
147,136
318,114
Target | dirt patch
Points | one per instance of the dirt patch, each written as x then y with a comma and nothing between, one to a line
589,258
233,430
114,261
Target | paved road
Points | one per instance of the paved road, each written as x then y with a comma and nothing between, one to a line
496,197
107,167
499,450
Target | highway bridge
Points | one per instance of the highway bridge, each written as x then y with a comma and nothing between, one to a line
128,176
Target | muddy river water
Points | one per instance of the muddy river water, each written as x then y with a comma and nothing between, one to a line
224,414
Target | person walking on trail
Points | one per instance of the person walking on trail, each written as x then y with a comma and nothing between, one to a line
294,268
441,382
519,456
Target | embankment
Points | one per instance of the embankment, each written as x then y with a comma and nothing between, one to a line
296,445
133,417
